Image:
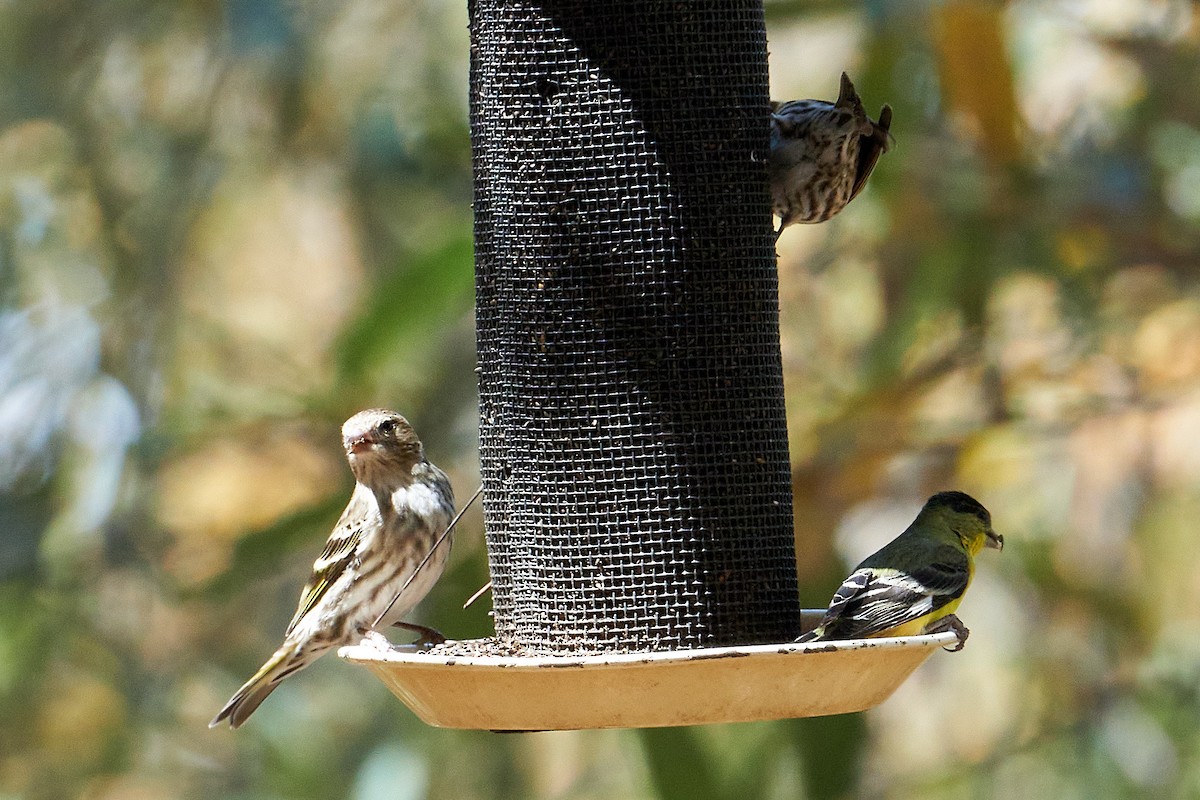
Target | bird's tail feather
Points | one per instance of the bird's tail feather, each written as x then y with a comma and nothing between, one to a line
287,659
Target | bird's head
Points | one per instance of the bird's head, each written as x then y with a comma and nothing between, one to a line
965,517
380,441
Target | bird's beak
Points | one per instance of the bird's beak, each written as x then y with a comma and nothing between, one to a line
994,540
359,444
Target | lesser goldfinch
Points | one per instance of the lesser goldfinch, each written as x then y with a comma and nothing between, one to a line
370,574
822,154
915,582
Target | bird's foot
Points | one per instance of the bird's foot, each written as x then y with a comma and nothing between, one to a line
951,623
428,636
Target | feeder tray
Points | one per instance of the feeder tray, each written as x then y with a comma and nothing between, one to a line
648,690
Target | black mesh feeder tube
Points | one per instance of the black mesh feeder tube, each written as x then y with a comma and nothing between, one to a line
634,453
633,441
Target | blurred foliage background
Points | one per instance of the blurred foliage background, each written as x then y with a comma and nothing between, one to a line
225,225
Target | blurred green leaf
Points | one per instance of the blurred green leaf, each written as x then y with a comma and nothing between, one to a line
407,309
680,766
831,749
260,553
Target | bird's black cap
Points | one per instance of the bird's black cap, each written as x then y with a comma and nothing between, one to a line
960,503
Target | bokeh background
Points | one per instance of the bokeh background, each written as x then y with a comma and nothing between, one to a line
225,225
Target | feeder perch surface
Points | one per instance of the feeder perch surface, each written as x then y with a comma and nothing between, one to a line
646,690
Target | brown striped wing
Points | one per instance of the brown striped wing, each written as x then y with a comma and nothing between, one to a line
870,148
340,551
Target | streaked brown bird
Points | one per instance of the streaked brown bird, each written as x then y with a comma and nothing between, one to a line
822,154
370,574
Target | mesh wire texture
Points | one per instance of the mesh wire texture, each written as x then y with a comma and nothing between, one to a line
633,438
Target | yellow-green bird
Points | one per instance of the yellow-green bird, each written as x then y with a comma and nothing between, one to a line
913,584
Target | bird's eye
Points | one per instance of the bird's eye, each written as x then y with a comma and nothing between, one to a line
387,427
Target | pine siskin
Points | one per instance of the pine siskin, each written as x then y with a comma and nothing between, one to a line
370,573
822,154
914,583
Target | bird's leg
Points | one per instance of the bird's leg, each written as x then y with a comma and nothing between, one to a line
429,636
779,230
951,623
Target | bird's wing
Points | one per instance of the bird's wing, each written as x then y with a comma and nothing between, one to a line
870,148
340,550
877,598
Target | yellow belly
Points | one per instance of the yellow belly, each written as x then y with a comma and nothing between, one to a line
917,626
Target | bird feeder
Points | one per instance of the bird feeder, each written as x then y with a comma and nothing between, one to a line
633,442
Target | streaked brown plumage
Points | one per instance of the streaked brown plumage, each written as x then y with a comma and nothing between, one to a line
400,506
822,154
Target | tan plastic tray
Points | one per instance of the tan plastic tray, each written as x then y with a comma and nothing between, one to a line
645,690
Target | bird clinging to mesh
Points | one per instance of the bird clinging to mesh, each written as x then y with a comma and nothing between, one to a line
822,154
383,557
913,584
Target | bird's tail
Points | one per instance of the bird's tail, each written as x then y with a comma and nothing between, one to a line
810,636
287,659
